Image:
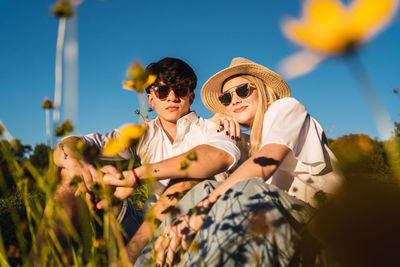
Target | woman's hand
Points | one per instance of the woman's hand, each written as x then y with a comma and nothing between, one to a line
227,124
180,232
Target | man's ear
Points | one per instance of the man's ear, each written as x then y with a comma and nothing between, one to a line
150,100
191,97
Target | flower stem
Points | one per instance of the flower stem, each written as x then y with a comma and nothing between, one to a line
142,103
379,113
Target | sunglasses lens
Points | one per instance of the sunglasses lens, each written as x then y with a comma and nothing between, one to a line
243,90
181,92
225,98
162,91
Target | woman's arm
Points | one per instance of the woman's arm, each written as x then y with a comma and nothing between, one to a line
263,164
181,231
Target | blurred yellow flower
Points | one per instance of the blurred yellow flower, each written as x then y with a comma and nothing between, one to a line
192,155
99,242
194,247
47,104
80,145
127,135
62,9
13,252
182,165
330,28
140,79
65,128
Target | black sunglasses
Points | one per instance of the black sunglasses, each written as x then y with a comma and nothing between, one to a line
162,91
243,91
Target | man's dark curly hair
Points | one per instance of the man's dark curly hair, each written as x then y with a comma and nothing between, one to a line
173,72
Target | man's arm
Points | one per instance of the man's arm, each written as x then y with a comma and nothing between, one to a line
75,157
71,163
65,151
208,161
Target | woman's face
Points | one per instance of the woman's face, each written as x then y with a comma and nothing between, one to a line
243,110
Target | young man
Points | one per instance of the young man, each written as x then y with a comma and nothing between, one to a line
167,142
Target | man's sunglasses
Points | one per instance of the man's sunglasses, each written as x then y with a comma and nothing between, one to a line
243,91
162,91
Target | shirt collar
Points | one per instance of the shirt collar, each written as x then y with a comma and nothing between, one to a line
188,118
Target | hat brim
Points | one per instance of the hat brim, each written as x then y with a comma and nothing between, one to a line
211,89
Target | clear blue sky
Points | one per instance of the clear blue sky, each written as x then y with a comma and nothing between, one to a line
206,34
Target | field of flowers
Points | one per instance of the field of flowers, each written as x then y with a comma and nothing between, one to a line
357,228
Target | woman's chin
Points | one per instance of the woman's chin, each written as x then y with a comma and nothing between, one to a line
243,120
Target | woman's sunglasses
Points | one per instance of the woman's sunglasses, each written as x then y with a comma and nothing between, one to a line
162,91
243,91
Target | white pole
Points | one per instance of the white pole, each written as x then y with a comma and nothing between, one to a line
48,126
6,133
58,72
70,106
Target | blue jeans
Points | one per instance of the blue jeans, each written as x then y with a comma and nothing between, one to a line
130,220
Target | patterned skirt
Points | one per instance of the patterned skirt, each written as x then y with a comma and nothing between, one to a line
252,224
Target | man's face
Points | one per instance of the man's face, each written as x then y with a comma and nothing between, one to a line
169,106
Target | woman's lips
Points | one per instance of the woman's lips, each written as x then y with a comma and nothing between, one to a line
239,109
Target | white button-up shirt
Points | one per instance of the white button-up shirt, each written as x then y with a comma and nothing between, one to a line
155,145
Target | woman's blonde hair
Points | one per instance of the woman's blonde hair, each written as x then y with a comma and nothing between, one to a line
266,97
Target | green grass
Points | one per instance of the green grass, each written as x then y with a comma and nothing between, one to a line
22,206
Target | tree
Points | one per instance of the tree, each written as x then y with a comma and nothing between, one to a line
360,156
397,130
40,157
9,151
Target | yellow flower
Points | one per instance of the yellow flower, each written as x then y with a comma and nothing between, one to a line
182,165
62,9
65,128
81,146
47,104
192,156
194,247
140,79
99,242
127,135
330,28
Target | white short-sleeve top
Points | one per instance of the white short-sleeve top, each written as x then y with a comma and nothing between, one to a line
308,167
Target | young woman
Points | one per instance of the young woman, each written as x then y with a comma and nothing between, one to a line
244,220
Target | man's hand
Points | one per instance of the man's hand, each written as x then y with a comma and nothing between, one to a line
124,182
83,171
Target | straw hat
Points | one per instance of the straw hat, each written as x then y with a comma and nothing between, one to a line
212,88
